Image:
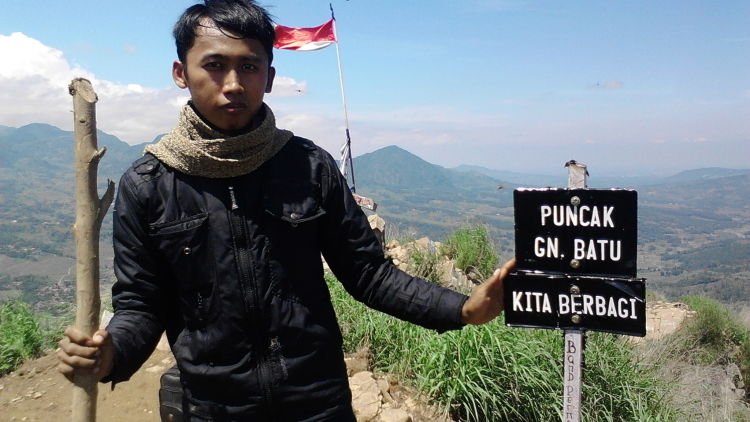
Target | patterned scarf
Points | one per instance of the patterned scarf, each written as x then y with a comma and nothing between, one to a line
197,149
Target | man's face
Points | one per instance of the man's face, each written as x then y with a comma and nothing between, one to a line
227,77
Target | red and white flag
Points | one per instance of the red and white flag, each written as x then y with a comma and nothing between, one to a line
305,39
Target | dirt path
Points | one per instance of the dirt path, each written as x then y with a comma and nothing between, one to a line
37,392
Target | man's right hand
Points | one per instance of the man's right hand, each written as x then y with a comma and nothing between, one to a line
80,354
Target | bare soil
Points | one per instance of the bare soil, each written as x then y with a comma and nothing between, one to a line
37,392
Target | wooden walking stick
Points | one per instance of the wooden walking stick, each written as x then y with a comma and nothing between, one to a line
90,211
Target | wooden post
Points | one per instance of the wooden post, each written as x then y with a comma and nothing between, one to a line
90,211
573,338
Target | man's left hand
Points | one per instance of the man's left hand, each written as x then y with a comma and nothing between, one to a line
486,300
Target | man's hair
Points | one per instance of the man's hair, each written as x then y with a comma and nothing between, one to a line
242,18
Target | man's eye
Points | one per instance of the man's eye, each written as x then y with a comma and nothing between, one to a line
249,67
212,65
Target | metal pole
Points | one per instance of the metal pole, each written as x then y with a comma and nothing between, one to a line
572,373
346,156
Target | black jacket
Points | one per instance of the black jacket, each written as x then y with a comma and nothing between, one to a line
231,269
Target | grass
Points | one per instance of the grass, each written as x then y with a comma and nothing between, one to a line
25,334
471,247
495,373
21,336
425,264
697,361
716,336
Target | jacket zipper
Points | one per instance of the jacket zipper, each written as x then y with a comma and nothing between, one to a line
241,240
200,307
232,198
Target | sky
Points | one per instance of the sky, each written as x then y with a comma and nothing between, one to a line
626,87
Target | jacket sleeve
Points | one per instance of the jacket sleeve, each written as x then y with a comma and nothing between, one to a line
137,295
356,258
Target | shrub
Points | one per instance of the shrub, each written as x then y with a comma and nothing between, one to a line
471,247
21,337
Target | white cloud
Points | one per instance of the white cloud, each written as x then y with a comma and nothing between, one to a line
284,86
34,88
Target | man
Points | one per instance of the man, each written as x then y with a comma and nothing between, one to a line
218,232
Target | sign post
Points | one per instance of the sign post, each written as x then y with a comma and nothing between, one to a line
573,339
576,269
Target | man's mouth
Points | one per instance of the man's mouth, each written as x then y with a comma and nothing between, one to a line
234,107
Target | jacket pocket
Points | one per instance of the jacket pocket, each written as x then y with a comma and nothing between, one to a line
293,220
294,210
186,252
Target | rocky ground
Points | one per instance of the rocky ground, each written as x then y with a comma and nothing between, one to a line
36,392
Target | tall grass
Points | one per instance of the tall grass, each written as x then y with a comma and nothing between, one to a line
716,336
21,336
495,373
472,246
425,264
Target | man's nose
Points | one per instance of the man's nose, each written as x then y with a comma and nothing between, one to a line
232,83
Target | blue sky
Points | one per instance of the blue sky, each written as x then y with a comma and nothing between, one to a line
629,88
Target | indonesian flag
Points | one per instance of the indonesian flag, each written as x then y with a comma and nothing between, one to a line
305,39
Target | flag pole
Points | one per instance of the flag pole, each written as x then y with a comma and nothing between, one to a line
346,153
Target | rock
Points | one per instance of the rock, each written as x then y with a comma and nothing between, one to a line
394,415
734,373
163,344
355,364
155,369
424,244
366,396
385,387
36,395
358,361
376,222
362,377
378,227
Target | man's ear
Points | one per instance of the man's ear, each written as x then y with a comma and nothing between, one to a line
271,75
179,74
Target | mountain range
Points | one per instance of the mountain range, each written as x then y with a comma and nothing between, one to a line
681,217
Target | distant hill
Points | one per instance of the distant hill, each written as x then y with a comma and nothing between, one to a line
596,181
397,168
43,150
693,227
427,198
704,174
520,179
